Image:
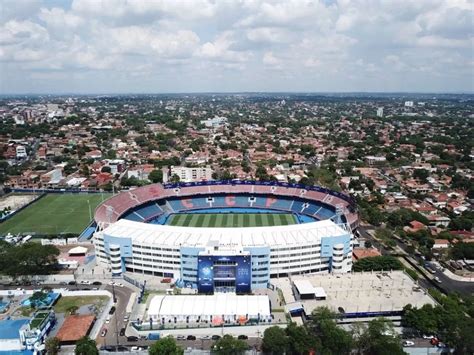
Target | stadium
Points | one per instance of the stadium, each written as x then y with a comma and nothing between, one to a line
227,236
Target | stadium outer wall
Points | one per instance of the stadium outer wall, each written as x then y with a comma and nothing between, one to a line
224,259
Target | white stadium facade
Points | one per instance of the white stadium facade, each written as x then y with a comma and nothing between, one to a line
133,235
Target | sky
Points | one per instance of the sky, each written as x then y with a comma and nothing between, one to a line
156,46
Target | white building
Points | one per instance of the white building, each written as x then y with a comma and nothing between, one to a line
184,253
215,122
21,152
408,103
188,174
380,112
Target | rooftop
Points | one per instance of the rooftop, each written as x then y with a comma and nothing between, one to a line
249,236
360,292
75,327
215,305
10,328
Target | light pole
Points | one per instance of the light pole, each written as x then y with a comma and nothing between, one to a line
90,213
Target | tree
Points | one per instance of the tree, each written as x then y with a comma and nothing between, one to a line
52,346
106,169
333,339
378,263
165,346
175,178
228,345
86,346
27,259
378,338
156,176
275,340
300,341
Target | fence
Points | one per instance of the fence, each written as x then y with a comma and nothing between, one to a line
3,219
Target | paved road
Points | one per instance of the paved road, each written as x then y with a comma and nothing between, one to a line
117,320
447,284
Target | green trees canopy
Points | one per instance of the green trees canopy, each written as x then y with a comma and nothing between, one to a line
378,338
462,251
378,263
156,176
165,346
275,340
449,320
86,346
228,345
27,259
403,216
333,340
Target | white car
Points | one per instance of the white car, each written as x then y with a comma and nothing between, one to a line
408,343
206,337
85,282
111,283
135,348
118,284
429,337
181,337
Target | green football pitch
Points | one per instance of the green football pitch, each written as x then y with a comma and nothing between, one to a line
54,214
231,219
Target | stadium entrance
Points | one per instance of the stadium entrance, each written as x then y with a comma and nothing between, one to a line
224,273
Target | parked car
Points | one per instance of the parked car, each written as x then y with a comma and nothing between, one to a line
132,338
118,284
125,317
112,310
206,337
437,279
181,337
135,348
191,337
242,337
215,337
408,343
122,332
85,282
104,332
97,283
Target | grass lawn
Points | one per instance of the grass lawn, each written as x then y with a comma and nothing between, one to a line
67,302
38,319
54,214
231,220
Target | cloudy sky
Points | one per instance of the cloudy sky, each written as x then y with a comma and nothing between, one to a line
125,46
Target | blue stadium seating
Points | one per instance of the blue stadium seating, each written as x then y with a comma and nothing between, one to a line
176,205
133,217
149,211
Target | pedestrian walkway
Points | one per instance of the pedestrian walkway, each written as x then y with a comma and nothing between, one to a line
455,277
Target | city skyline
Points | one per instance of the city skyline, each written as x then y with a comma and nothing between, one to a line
120,47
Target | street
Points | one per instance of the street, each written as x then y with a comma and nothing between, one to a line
447,284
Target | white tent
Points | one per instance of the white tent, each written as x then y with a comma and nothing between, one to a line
228,306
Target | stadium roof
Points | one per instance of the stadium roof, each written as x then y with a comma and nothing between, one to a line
246,236
215,305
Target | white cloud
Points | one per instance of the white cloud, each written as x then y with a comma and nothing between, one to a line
212,45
